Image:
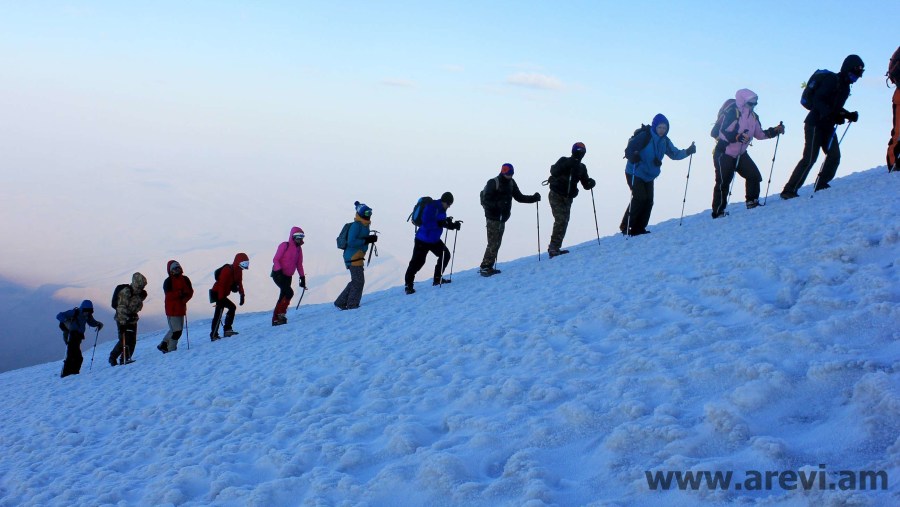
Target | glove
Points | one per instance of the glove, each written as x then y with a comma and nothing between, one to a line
302,282
852,117
143,294
371,239
457,225
657,162
743,138
691,149
63,328
99,326
242,300
590,184
536,197
635,158
839,118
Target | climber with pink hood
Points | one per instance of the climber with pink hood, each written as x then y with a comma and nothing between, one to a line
288,259
739,126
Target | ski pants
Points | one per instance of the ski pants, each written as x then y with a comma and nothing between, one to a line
350,297
286,293
176,327
726,166
222,305
420,255
817,137
128,337
74,359
638,212
495,229
561,208
893,151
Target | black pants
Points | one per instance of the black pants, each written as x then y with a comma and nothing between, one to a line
223,304
726,166
74,359
420,254
128,335
641,205
817,137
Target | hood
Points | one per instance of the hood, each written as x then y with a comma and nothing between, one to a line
138,281
743,96
659,119
86,305
293,230
851,62
169,266
239,258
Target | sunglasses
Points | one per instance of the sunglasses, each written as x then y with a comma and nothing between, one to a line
299,235
366,213
752,104
244,264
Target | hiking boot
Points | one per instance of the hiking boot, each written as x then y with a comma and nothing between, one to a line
213,337
640,232
441,281
752,203
409,290
163,347
722,213
112,361
488,272
556,253
229,332
279,320
787,194
822,187
129,361
340,307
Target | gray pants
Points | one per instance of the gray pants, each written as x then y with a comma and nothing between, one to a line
352,293
176,325
560,207
495,230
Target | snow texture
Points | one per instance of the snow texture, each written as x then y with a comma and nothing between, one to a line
767,340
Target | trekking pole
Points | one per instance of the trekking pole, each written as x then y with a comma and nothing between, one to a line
777,138
301,298
828,149
441,275
537,213
686,180
596,225
187,330
94,351
453,255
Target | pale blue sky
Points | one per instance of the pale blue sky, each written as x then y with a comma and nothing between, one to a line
133,133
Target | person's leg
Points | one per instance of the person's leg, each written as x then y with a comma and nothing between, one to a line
442,253
646,204
724,165
357,283
751,174
832,160
560,207
130,340
893,151
801,171
229,315
419,256
176,326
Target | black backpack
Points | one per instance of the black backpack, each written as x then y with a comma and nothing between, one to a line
809,88
116,291
344,237
496,188
893,72
416,216
638,141
728,109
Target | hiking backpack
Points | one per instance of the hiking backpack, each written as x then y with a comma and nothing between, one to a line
344,237
893,72
115,296
496,188
638,141
416,216
809,88
728,109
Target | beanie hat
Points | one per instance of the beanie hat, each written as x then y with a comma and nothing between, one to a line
138,281
853,64
507,169
86,305
447,197
579,146
659,119
362,210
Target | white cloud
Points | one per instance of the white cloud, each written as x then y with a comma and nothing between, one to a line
535,80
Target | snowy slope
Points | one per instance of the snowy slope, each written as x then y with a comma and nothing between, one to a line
764,341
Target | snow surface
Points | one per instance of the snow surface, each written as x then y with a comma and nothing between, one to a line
764,341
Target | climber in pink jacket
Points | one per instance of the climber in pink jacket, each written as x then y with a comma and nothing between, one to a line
288,259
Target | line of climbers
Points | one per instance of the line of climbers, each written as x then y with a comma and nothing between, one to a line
736,126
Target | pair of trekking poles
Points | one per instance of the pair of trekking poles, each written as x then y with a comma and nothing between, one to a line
187,334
